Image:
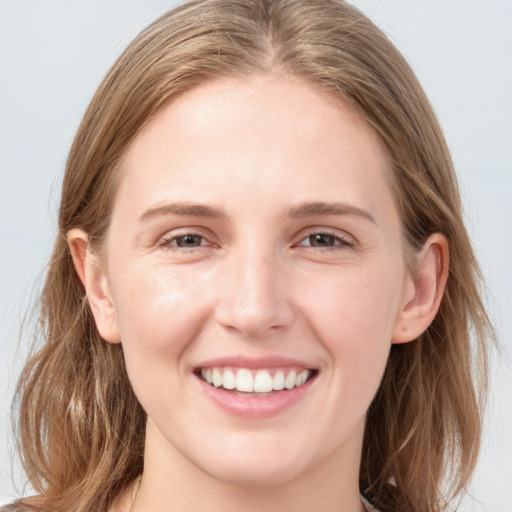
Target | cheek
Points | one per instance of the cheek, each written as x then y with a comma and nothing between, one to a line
159,313
353,313
159,310
357,306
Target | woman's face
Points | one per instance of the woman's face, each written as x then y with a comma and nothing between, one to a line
255,243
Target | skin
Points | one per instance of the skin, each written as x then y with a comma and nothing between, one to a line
258,284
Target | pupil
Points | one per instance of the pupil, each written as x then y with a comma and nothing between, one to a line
188,241
321,240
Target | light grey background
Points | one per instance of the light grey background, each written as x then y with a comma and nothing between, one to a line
53,53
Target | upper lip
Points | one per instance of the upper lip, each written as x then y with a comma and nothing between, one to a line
255,362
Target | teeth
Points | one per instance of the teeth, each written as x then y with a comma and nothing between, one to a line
278,381
217,378
262,382
289,382
244,381
229,380
301,378
259,381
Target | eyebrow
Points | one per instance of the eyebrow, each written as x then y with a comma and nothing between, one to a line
186,209
321,208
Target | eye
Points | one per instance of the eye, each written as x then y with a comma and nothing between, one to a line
189,240
183,241
326,240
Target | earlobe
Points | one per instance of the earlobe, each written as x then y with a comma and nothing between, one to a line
95,282
424,290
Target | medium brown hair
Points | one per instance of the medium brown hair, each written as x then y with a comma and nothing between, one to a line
80,427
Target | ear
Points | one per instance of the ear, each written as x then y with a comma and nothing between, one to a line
94,280
423,291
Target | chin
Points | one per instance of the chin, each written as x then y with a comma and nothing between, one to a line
253,459
268,474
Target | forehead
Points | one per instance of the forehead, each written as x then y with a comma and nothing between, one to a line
265,134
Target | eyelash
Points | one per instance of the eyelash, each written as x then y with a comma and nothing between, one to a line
171,242
339,242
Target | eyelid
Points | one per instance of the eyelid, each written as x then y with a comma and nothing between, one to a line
343,239
165,241
346,241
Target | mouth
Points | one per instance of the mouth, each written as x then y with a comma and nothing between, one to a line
255,382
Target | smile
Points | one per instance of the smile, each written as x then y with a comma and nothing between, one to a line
246,380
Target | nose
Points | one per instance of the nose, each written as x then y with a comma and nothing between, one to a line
254,297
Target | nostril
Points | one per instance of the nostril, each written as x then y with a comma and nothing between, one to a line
254,321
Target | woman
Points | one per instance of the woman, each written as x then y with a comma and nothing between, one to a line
248,305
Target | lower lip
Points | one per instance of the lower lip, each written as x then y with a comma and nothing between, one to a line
251,406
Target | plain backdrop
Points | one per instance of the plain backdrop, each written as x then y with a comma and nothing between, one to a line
53,54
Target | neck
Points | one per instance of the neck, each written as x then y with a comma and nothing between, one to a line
172,483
